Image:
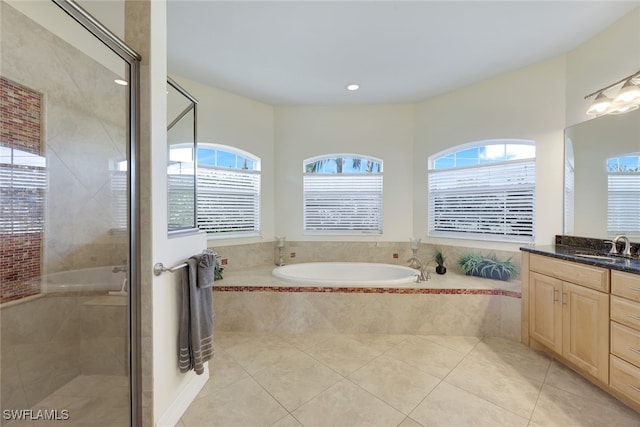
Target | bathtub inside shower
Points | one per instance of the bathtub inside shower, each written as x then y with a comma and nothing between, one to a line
93,279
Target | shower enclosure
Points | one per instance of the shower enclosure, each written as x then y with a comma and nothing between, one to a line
68,265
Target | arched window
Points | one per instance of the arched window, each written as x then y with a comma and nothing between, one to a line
228,191
342,194
623,194
483,190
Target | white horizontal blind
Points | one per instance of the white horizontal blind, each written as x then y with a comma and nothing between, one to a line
494,201
22,191
228,200
623,212
343,202
119,203
180,201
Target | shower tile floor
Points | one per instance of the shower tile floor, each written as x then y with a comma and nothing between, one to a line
393,380
91,400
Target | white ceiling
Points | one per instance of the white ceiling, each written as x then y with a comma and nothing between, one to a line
306,52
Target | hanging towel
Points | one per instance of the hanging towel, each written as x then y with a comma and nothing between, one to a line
195,335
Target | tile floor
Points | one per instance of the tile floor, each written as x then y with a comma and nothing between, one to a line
393,380
91,400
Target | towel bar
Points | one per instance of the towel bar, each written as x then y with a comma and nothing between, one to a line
159,268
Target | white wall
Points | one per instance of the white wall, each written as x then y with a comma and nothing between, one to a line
606,58
525,104
226,118
166,392
382,131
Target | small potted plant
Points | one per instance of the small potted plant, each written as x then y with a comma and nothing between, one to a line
439,259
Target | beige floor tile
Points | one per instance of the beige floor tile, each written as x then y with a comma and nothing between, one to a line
378,342
409,422
346,404
343,353
448,406
287,421
461,344
243,403
259,353
296,379
558,408
223,371
426,356
489,381
512,356
561,377
395,382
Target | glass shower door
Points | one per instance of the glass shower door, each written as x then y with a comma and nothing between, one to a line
65,295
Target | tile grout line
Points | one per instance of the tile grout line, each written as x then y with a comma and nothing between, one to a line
535,405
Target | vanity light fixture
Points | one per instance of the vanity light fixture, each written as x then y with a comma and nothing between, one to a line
353,87
624,98
629,92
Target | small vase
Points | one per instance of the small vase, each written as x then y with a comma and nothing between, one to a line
441,269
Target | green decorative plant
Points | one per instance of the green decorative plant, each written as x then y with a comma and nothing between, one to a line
439,259
476,264
217,271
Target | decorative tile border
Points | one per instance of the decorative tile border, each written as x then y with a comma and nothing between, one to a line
364,290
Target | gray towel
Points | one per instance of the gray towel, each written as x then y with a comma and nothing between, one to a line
206,270
195,335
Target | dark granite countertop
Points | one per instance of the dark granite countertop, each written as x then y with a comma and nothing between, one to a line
571,249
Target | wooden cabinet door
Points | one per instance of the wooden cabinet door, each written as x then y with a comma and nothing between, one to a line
585,329
545,311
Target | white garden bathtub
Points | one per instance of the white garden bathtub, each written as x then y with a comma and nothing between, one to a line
101,279
349,274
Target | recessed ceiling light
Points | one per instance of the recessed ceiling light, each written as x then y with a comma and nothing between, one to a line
353,87
121,82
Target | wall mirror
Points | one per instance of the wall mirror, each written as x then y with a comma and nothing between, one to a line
602,177
181,167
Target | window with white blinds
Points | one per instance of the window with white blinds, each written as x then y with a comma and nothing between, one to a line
343,195
228,188
23,183
493,199
623,185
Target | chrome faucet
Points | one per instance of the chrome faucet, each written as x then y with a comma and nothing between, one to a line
626,252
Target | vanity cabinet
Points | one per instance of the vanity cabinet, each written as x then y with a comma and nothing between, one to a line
569,312
625,334
586,316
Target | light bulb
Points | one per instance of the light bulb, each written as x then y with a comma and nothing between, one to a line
600,104
629,92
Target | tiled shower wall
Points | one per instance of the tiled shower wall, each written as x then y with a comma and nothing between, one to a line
83,139
239,257
20,252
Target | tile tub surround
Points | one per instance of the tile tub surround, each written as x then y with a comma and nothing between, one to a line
253,300
241,257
